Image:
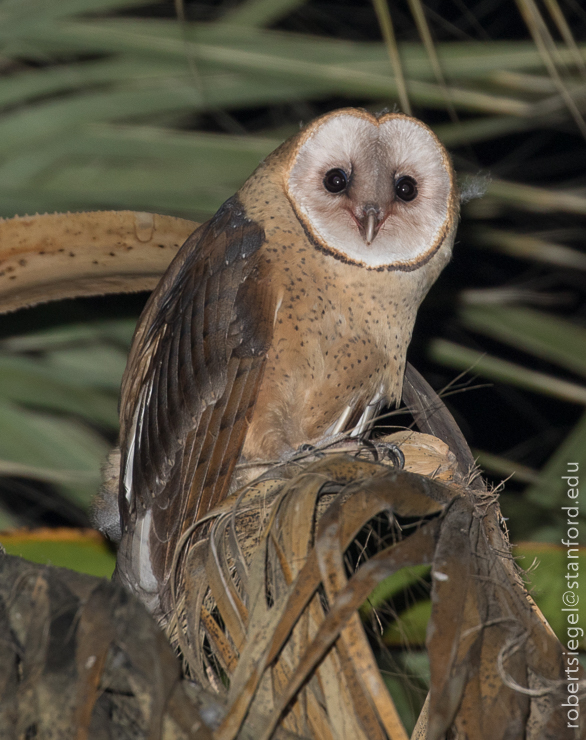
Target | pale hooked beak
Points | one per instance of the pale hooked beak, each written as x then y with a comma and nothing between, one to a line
370,223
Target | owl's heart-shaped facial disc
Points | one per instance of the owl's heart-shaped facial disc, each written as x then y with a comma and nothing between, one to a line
375,191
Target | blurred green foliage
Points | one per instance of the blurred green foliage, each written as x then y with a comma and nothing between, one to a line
73,549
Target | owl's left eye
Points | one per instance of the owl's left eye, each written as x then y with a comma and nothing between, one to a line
336,180
406,188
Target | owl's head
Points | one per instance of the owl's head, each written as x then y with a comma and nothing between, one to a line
377,191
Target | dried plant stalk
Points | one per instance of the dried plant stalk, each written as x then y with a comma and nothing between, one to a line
267,612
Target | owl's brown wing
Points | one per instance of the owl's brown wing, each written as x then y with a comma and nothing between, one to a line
188,392
433,417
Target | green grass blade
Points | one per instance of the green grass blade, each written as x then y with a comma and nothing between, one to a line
502,371
551,489
285,61
526,246
26,16
503,195
385,23
551,59
260,12
61,388
537,332
548,566
30,85
118,331
392,586
502,466
44,441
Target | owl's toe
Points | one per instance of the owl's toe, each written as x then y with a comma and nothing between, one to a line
379,451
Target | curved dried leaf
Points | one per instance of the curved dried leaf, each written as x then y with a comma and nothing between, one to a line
303,663
65,255
307,521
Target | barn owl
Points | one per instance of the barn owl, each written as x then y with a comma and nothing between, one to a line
284,320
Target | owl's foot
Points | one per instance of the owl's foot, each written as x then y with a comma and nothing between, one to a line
382,451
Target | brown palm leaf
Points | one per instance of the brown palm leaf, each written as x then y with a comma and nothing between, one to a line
267,610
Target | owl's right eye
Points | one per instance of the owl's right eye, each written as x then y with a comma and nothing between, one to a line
336,180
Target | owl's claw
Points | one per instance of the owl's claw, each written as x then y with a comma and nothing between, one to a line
367,448
393,453
382,451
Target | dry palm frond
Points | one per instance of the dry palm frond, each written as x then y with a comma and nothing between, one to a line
67,255
268,625
267,608
80,658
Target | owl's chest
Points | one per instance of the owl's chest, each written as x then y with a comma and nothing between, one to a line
337,345
329,335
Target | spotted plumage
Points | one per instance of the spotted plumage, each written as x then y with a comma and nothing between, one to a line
284,320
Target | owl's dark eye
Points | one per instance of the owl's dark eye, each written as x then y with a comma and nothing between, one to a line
336,181
406,188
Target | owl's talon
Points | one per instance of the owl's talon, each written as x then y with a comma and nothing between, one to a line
366,446
382,451
393,453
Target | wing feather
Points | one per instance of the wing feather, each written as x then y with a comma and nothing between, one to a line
188,392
